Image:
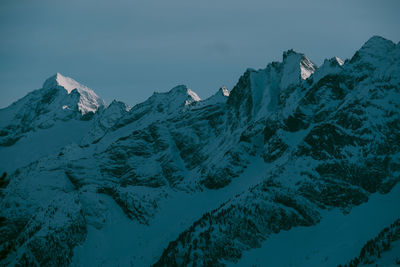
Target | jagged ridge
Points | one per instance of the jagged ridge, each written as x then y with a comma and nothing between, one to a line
306,133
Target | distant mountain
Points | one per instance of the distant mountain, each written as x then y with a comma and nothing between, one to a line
180,181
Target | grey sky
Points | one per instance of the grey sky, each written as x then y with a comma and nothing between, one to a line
125,50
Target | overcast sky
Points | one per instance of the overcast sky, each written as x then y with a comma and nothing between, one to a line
126,50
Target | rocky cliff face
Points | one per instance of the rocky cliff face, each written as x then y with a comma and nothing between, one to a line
185,181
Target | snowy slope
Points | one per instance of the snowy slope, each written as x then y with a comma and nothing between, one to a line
292,150
381,250
334,241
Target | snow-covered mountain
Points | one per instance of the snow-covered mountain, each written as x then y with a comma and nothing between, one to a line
293,150
45,120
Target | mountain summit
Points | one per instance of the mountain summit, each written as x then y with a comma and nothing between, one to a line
296,66
89,101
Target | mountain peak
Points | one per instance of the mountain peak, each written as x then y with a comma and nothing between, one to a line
67,83
339,61
224,91
119,104
329,67
296,66
306,67
182,92
220,96
375,47
378,43
290,52
89,101
183,89
334,61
